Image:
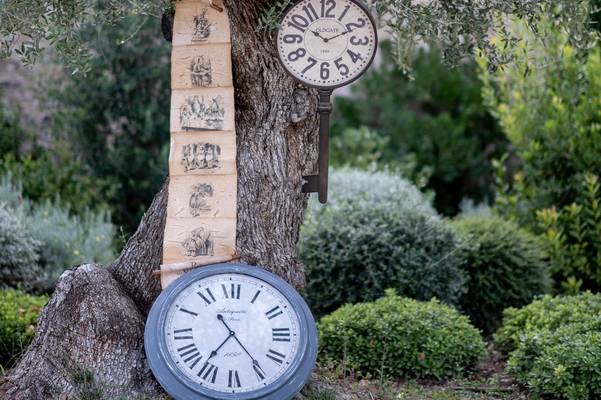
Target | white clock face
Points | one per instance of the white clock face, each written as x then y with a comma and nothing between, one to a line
232,333
327,43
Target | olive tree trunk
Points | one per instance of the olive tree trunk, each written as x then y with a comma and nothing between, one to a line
89,339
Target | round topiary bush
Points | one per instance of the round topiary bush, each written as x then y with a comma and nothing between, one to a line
401,338
507,267
359,245
18,253
547,313
18,316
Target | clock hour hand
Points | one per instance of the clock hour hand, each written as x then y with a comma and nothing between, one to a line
318,35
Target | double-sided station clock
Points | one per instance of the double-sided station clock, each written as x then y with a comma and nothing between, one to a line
232,331
326,44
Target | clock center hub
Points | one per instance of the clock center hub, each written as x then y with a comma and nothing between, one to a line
326,39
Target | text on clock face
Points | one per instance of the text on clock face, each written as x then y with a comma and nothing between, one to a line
232,333
326,42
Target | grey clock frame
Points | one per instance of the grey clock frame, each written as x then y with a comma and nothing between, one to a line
180,387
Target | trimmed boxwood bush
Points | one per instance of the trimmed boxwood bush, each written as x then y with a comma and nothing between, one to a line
547,313
555,346
18,317
507,267
401,338
564,363
361,244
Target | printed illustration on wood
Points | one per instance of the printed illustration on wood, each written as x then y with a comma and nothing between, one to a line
202,27
198,200
202,113
201,156
201,73
199,243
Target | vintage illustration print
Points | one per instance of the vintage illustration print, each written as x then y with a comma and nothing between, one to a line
199,204
202,27
197,23
197,156
201,73
199,243
202,113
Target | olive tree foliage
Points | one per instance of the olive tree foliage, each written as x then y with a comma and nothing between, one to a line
27,27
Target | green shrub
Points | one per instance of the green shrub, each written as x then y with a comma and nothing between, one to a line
18,317
18,252
563,363
354,248
547,313
64,240
401,338
435,120
552,116
506,267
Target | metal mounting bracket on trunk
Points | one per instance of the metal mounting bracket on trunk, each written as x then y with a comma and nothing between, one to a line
319,183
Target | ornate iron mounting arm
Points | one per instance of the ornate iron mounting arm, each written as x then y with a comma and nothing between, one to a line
319,183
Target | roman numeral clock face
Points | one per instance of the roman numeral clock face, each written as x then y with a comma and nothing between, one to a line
231,333
327,43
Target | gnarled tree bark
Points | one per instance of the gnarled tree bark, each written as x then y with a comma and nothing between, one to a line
89,340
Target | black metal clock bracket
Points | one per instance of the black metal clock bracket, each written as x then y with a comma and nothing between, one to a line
319,183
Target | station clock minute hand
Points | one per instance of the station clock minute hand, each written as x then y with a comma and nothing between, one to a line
340,34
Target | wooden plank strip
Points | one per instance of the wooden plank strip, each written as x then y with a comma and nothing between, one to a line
197,23
194,239
197,110
212,196
202,153
201,66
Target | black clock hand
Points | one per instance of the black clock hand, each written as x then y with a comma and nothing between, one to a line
334,37
233,334
318,35
214,352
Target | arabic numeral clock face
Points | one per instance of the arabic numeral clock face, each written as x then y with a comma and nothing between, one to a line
327,43
231,332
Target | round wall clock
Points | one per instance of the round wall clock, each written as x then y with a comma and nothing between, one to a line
231,331
327,43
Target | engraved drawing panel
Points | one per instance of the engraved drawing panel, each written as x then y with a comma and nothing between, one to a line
202,110
212,196
202,113
202,153
199,156
190,239
197,23
201,66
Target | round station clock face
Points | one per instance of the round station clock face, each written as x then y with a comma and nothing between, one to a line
327,43
231,331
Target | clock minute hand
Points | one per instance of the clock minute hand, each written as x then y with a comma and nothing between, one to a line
340,34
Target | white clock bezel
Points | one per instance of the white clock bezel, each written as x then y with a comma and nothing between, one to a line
180,387
345,83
